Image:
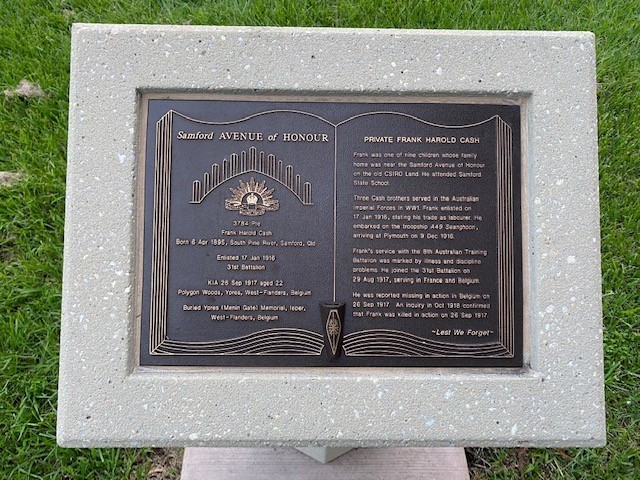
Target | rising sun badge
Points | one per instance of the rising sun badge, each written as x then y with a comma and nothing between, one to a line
252,199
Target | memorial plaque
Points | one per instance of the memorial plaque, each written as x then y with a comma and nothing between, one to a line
424,199
330,233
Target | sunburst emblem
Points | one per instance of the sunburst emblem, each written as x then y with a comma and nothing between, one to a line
252,198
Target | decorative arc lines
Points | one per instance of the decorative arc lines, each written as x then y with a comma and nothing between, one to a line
251,161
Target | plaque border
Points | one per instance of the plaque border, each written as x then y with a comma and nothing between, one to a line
300,342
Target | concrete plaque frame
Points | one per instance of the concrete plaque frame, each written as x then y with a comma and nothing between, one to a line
106,399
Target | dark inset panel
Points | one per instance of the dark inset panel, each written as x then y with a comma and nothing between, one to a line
343,234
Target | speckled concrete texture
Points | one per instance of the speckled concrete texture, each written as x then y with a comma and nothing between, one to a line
557,400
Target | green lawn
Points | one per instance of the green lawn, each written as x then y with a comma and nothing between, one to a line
34,45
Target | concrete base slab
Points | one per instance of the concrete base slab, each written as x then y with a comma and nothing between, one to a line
288,463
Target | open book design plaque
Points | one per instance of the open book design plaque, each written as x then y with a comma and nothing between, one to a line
330,233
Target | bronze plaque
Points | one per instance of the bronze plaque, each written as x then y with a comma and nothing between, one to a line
330,233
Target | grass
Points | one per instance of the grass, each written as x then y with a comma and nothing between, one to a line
34,44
